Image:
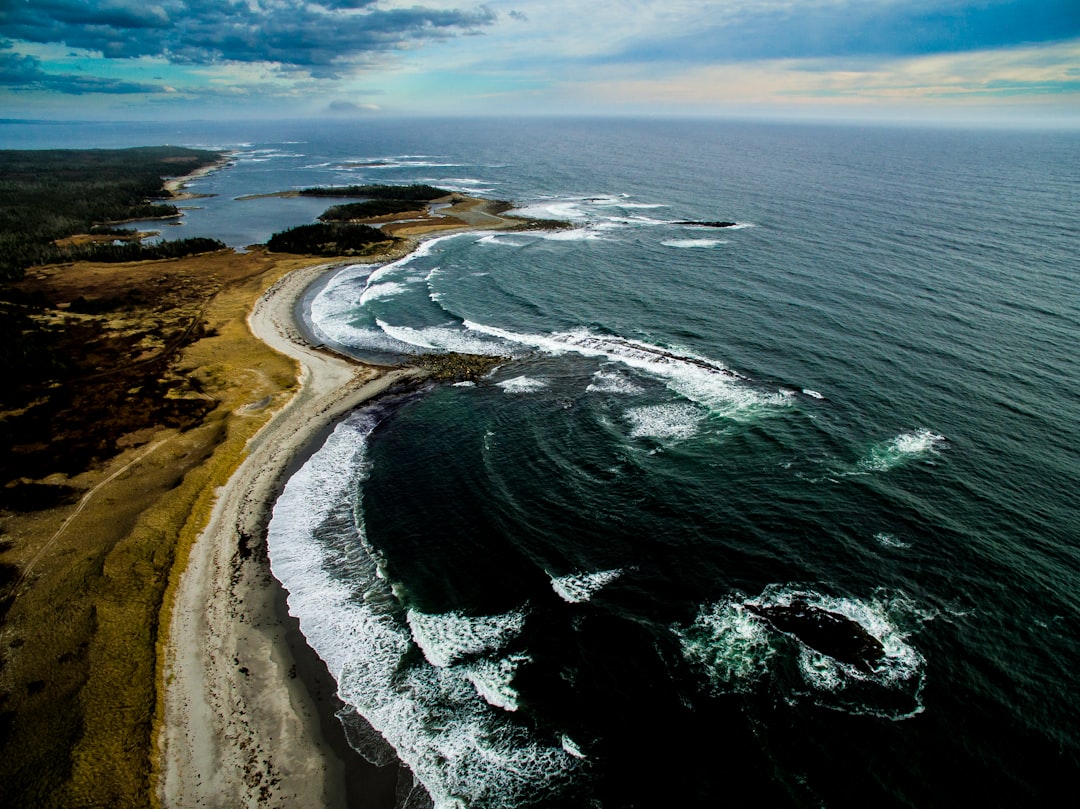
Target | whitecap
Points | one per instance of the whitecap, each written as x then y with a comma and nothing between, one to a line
813,394
887,540
522,384
442,338
577,588
611,382
701,380
387,289
580,234
690,243
450,636
493,679
675,422
728,643
571,747
903,448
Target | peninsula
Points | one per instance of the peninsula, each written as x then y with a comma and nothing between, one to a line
146,654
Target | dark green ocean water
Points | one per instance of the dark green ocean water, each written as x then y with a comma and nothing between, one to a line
546,589
865,396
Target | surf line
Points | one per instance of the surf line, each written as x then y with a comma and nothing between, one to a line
209,701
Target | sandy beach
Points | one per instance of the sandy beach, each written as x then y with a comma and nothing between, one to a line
237,726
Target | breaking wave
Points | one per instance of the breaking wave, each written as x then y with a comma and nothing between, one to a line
577,588
449,713
737,650
903,448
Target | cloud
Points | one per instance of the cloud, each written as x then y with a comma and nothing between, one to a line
971,79
342,107
25,73
323,37
766,29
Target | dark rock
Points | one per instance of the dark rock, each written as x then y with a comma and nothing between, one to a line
706,224
828,632
454,367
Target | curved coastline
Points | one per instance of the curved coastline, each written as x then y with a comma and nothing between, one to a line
237,725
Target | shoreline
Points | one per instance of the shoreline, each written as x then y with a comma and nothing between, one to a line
244,712
175,186
238,724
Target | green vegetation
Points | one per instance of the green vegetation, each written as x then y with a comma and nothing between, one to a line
48,195
369,209
416,193
326,239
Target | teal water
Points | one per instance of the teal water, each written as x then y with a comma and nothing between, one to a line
547,589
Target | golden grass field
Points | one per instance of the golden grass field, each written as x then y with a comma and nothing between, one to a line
79,643
123,461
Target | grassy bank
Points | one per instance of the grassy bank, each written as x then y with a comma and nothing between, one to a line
79,641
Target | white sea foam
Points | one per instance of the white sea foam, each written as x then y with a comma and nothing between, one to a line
701,380
447,637
580,234
493,679
571,747
904,447
813,394
464,751
675,422
887,540
735,647
565,209
577,588
901,663
523,384
333,311
727,642
594,214
612,382
442,338
387,289
499,240
687,243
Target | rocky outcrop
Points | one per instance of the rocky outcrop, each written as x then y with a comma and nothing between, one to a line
457,367
707,224
828,632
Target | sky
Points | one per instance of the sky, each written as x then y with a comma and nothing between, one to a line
994,61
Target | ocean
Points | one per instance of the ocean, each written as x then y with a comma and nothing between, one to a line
572,583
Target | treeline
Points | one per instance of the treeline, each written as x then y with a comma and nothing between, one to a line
50,253
48,195
327,239
414,193
373,207
137,251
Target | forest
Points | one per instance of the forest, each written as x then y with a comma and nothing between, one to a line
413,193
326,239
48,195
370,208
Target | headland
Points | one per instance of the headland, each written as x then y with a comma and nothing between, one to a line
148,658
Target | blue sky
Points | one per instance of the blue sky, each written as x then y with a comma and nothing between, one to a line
1013,61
